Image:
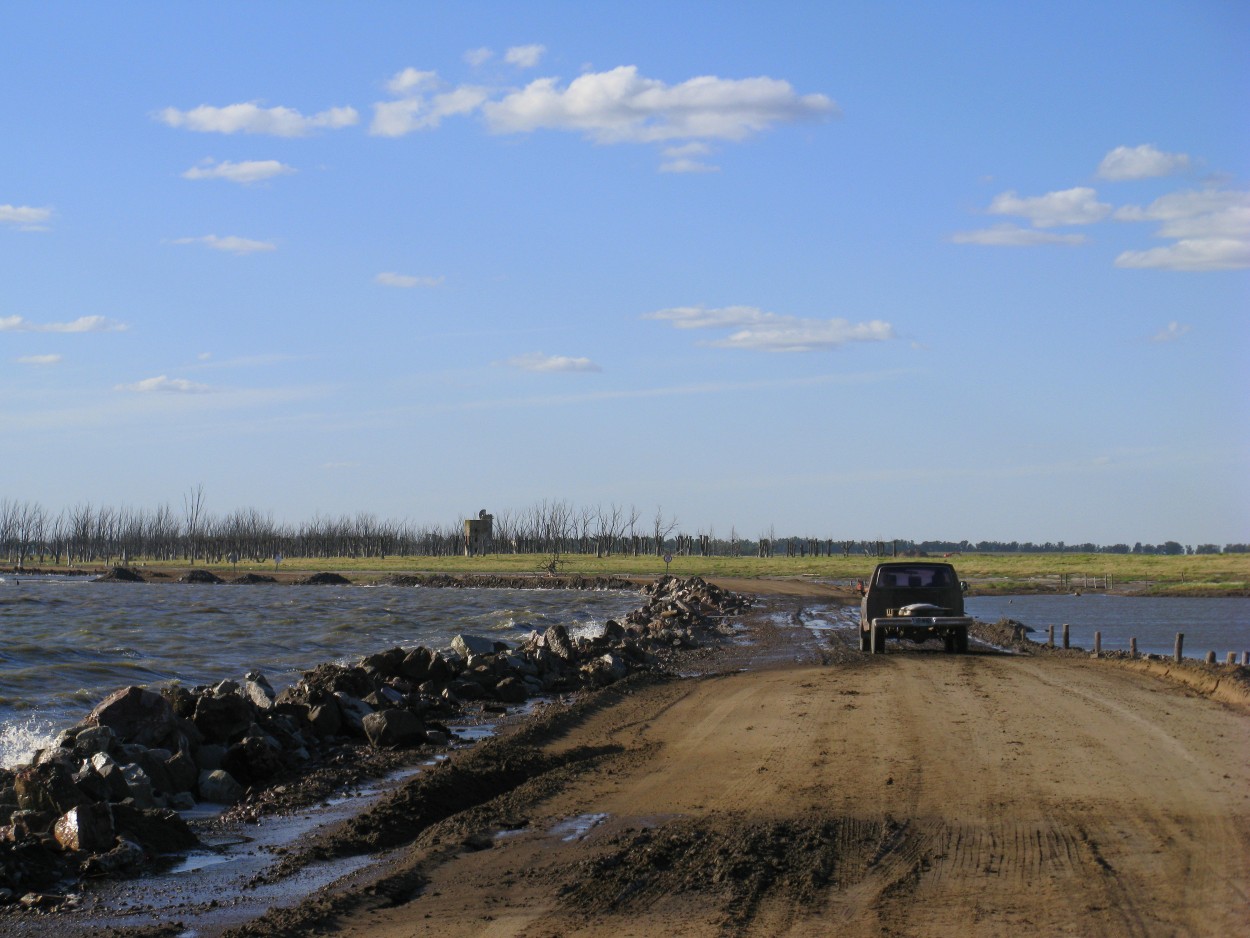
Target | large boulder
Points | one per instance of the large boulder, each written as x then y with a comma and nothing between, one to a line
135,715
49,788
219,787
468,645
251,761
394,728
88,827
222,718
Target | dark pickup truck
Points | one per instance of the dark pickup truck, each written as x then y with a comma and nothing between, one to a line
916,600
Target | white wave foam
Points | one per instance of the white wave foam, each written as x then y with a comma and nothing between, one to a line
21,739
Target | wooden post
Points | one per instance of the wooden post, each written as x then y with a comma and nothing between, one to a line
1066,643
1132,647
1210,657
1098,644
1050,636
1180,644
1232,658
1245,658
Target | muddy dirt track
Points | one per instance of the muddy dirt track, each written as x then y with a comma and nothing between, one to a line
914,793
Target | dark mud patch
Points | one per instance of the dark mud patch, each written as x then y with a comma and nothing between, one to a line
735,863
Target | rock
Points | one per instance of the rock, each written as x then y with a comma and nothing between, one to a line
120,575
92,739
135,715
126,855
251,761
219,787
106,768
385,663
466,690
436,737
140,785
158,830
467,645
49,788
222,719
556,640
511,690
183,772
325,579
325,719
200,576
209,756
258,695
416,665
353,712
88,827
394,728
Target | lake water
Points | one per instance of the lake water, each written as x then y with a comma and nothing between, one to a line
68,642
1220,624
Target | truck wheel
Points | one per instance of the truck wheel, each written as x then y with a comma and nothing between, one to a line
878,639
961,642
865,640
948,643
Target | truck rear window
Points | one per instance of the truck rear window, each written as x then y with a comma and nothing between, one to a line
913,577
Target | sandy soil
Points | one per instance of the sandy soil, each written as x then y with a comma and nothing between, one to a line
821,792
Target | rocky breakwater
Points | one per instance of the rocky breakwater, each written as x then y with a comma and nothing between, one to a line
105,798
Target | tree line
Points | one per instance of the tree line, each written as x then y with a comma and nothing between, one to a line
100,534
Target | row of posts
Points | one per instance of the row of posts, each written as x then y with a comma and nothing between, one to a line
1177,651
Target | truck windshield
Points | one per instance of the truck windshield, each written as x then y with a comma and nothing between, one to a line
913,577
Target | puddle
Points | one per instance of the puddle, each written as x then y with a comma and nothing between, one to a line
575,828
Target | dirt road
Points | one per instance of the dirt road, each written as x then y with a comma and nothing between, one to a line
907,794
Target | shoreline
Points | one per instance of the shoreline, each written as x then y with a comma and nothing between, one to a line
568,743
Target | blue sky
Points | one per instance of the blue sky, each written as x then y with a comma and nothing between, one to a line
959,270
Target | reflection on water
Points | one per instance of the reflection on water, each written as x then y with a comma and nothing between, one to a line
1220,624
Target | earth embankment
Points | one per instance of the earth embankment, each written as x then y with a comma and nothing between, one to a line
913,793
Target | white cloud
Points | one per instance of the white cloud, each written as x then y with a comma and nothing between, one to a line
251,118
1143,162
686,159
524,56
418,106
771,332
411,80
1200,213
232,243
1193,254
81,324
1077,206
245,172
479,56
1009,235
164,384
25,217
407,280
537,361
619,106
39,360
1212,227
1173,332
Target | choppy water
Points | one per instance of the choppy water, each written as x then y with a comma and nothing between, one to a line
65,642
1219,624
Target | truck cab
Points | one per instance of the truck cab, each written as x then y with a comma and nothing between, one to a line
916,600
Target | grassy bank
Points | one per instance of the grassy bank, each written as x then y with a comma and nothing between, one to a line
1206,574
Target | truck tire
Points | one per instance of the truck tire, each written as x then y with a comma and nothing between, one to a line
961,642
878,639
865,640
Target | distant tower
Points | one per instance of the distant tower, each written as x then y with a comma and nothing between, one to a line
479,534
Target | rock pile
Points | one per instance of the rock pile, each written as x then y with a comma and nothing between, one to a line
104,798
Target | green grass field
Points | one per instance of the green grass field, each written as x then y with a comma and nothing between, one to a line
1173,575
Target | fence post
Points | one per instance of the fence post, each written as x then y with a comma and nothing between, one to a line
1232,657
1245,658
1066,643
1132,647
1098,644
1180,644
1210,657
1050,636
